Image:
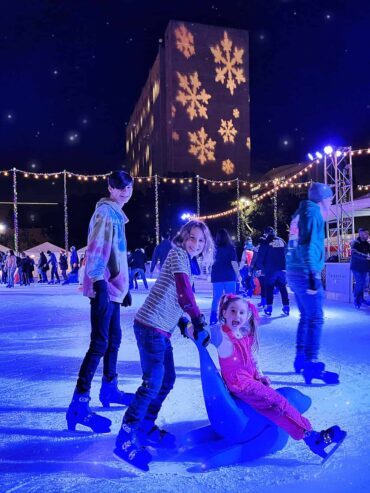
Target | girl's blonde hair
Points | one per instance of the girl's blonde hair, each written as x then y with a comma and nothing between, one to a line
184,234
253,316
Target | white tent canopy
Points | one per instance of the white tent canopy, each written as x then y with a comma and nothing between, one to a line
4,249
43,247
81,251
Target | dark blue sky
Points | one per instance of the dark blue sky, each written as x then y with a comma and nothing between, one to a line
72,71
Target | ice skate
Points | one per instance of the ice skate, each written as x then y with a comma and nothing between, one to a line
286,310
79,412
110,393
262,303
154,436
316,370
129,448
299,362
318,442
268,310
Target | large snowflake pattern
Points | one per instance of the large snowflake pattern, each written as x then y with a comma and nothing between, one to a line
184,41
228,57
227,130
201,146
191,96
228,167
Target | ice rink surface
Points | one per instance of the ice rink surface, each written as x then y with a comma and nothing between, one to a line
44,336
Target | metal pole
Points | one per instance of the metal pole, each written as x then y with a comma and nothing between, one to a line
275,209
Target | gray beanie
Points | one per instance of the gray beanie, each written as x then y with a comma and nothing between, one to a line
319,191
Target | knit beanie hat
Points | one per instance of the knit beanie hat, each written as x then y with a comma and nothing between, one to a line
319,191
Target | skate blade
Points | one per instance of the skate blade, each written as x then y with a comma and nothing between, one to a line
334,449
144,468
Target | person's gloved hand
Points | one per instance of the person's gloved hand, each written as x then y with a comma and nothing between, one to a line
183,325
314,283
101,296
199,324
127,300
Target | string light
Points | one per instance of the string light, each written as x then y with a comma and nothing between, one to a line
156,203
198,196
15,210
66,235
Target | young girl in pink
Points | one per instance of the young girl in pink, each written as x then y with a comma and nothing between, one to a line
236,341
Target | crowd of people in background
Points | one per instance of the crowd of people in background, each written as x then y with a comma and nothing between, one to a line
22,269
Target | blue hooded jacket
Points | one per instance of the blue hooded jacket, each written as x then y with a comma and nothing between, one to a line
306,249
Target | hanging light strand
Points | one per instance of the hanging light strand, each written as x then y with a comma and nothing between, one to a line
156,199
198,196
237,210
15,210
66,233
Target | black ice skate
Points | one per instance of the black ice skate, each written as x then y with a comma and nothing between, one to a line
318,442
79,412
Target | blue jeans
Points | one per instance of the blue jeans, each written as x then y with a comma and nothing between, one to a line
105,340
311,315
219,288
156,357
140,273
358,290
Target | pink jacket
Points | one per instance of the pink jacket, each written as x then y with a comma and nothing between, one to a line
240,373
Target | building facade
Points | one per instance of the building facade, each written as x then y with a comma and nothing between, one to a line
193,113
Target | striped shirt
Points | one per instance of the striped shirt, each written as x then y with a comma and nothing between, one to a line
161,309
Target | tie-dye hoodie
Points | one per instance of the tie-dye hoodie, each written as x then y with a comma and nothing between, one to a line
106,254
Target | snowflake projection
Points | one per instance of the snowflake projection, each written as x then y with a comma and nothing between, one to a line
184,41
191,96
236,113
201,146
228,57
248,143
175,136
228,167
227,131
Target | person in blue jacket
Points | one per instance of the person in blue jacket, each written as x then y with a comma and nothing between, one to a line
360,264
305,261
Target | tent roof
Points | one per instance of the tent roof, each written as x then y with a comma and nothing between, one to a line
4,248
43,247
82,250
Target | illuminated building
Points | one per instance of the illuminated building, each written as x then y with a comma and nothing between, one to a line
193,112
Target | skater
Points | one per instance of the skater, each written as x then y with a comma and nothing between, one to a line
54,268
42,267
106,284
271,259
257,272
138,267
10,265
360,265
237,342
305,261
225,270
153,325
160,252
63,265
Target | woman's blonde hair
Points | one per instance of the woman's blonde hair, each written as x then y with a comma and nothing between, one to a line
253,316
184,234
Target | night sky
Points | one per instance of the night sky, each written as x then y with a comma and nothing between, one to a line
72,71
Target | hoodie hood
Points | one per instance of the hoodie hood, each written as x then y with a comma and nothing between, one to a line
106,201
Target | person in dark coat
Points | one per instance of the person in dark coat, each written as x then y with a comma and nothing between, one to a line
160,252
225,271
42,267
54,267
360,264
271,259
137,263
63,264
